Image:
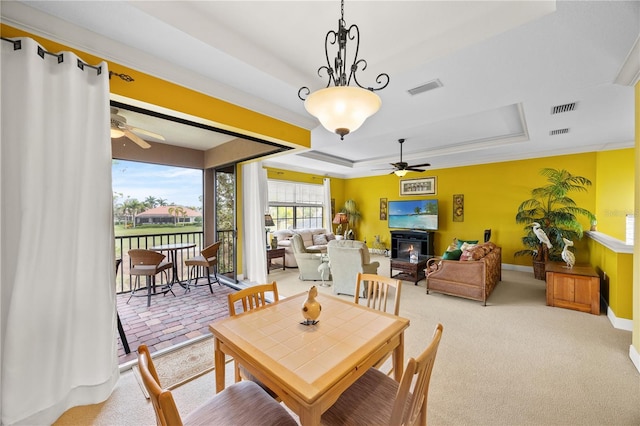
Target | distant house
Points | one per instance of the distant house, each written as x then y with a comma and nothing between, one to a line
161,215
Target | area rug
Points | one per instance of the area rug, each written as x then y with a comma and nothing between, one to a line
178,367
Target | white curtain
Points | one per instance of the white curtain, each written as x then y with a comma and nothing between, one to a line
58,315
328,219
254,243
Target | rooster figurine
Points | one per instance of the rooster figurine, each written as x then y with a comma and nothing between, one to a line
542,236
567,255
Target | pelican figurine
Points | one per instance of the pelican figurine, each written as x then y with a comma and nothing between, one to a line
567,255
541,235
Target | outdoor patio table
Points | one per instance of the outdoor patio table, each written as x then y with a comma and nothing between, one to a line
309,367
172,249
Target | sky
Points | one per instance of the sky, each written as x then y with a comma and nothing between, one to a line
141,180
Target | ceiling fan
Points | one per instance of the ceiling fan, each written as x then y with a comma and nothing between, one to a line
120,128
401,167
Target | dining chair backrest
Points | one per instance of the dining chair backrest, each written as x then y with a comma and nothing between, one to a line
252,297
163,403
417,372
376,291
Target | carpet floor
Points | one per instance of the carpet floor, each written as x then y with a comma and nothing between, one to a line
514,362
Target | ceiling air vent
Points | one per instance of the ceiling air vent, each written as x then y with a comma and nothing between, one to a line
558,132
563,108
433,84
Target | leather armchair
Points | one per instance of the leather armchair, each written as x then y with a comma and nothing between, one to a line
346,259
307,262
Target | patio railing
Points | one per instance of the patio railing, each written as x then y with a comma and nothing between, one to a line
126,243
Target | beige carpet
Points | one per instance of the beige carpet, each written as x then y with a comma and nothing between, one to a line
514,362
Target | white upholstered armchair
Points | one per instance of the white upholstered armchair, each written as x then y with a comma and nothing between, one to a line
307,262
346,259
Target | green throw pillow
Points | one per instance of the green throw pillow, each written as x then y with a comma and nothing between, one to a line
461,242
452,255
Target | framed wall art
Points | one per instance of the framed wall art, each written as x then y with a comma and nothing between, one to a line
458,208
383,209
424,186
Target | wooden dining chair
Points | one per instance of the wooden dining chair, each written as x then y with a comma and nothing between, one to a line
377,399
148,263
207,259
240,403
376,292
252,298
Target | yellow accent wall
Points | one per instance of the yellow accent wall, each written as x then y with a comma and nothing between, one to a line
614,172
616,278
492,194
156,91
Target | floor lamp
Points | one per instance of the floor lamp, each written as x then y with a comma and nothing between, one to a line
268,221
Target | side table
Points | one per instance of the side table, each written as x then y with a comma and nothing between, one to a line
576,288
274,253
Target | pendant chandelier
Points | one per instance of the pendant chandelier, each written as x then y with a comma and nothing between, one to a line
341,107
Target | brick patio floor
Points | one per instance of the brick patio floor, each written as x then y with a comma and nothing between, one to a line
170,320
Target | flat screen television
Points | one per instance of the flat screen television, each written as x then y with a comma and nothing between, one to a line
414,214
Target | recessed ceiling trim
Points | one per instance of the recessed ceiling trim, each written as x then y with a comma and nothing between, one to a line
315,155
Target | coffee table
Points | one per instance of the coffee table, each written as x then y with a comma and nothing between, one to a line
409,271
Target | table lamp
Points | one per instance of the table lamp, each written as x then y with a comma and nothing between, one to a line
268,221
340,218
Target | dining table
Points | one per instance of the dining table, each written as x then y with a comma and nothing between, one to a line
309,366
172,250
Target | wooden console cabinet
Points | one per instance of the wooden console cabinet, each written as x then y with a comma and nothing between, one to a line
577,288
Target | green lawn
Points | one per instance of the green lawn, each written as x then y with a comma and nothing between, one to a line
121,231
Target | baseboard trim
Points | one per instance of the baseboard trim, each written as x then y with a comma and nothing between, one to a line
635,357
619,323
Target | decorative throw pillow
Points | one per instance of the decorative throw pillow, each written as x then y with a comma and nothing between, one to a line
467,246
452,254
461,242
319,240
454,245
466,255
330,236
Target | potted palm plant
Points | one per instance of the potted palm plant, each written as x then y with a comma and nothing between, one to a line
353,215
557,215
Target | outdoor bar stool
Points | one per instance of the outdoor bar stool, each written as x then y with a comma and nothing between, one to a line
148,263
207,259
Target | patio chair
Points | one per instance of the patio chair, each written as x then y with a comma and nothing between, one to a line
378,399
148,263
208,259
240,403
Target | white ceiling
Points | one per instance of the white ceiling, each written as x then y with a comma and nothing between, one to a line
503,66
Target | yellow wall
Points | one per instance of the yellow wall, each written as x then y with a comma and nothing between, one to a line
492,194
616,278
614,171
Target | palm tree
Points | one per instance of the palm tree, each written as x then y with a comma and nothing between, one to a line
162,202
176,211
555,211
150,202
132,207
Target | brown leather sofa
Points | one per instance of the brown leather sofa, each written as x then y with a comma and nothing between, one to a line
472,279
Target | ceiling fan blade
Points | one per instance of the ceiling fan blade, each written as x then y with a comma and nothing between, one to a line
411,169
141,142
420,165
146,132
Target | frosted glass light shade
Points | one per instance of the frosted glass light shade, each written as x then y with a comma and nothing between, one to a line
342,109
400,173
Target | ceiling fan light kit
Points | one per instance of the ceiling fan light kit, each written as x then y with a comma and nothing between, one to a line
343,108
